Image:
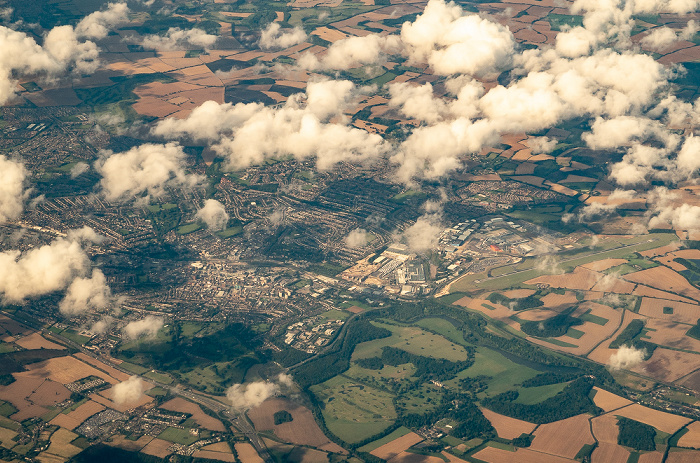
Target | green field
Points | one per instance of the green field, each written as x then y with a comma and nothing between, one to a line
189,228
353,411
444,328
504,373
413,340
386,374
156,392
589,317
136,369
535,395
421,400
335,315
230,232
6,409
161,378
178,436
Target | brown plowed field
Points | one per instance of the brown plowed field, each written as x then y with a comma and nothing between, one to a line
672,334
668,365
158,448
302,430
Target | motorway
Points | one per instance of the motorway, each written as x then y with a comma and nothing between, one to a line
238,420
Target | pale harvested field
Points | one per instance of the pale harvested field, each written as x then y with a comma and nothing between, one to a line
181,63
692,437
581,278
37,341
518,293
181,405
685,456
642,290
61,444
302,430
407,457
607,452
113,372
669,365
609,401
85,411
660,251
602,353
159,89
453,459
506,427
668,261
65,422
247,454
682,312
500,312
6,436
548,437
651,457
556,300
66,370
605,428
219,456
592,295
331,35
158,448
611,284
593,333
660,420
395,447
463,302
672,334
666,279
494,455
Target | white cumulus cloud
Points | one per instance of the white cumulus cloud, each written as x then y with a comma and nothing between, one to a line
147,168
